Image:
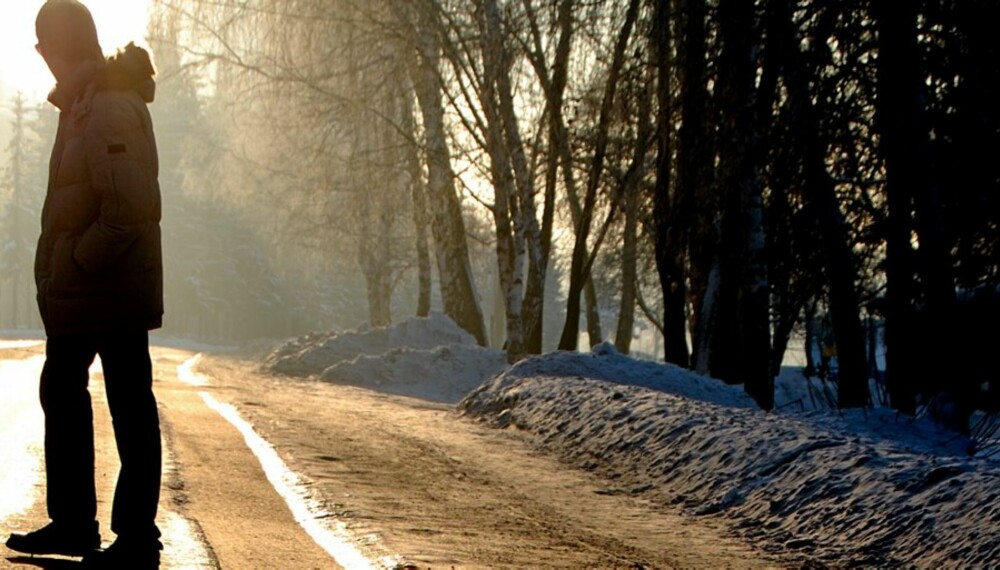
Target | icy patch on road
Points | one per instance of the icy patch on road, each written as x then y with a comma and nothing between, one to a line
180,540
307,512
14,344
22,427
858,489
187,374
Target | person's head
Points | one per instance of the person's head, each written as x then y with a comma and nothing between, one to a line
66,35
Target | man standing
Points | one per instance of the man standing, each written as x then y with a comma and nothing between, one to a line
99,275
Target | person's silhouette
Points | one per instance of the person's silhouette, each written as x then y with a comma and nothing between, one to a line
99,274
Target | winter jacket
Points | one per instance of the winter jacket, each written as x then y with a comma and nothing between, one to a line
98,267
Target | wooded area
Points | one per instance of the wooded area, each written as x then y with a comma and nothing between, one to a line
725,171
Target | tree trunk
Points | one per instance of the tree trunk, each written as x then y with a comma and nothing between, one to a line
810,322
506,151
458,290
375,220
913,362
379,301
708,319
782,334
630,196
518,194
419,197
578,276
592,308
498,324
626,314
672,213
744,295
423,249
873,337
554,86
526,225
896,107
534,329
698,201
822,204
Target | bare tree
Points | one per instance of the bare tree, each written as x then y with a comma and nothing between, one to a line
582,259
362,168
457,286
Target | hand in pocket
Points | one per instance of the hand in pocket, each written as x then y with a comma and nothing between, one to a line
68,278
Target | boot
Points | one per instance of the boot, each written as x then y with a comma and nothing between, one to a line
131,553
67,539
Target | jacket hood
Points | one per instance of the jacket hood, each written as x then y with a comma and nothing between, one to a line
128,70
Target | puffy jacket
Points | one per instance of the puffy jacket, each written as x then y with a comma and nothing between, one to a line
98,265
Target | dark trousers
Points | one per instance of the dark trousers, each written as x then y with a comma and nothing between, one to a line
69,429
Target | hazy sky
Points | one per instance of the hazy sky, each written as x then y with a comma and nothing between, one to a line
22,69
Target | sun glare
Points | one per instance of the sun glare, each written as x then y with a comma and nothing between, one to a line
21,68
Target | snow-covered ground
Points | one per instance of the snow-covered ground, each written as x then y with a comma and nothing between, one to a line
860,488
807,482
444,374
431,358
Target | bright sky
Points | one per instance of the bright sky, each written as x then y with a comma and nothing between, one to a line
22,69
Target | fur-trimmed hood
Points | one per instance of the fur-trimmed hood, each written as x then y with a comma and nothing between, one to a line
128,70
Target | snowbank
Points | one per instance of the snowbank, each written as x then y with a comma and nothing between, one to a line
607,364
865,489
445,374
314,353
432,359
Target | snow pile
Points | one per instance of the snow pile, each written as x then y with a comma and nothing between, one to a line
445,374
862,489
312,354
431,358
607,364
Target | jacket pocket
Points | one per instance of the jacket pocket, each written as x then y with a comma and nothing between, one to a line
68,278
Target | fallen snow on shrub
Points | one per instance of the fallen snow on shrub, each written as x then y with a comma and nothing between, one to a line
862,488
